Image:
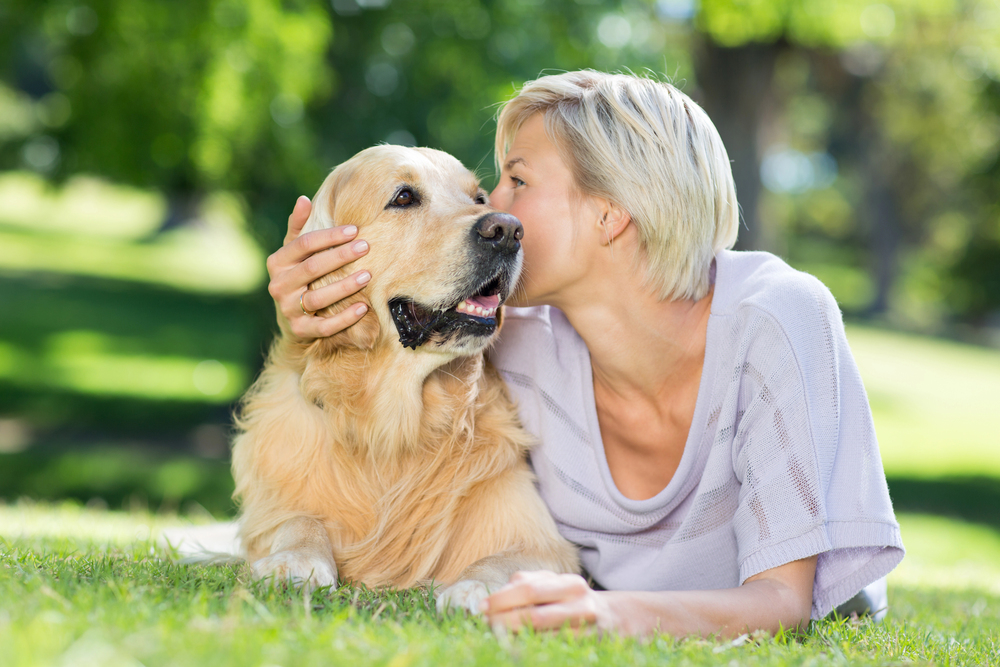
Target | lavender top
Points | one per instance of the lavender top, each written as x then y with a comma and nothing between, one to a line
781,461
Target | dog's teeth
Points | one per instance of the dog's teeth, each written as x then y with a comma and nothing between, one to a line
461,307
479,310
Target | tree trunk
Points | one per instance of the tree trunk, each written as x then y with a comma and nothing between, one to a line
737,95
883,220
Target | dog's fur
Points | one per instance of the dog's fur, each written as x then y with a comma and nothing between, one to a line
386,465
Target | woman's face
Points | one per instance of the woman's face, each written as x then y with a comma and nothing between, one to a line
536,186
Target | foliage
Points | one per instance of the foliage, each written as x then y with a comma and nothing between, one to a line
262,97
878,127
121,477
178,96
901,96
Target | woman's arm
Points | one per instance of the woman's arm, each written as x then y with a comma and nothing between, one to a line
777,598
303,259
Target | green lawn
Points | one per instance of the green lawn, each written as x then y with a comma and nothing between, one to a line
89,587
934,403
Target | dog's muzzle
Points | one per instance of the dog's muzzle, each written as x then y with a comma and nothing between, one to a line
496,263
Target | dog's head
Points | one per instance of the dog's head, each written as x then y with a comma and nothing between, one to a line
442,260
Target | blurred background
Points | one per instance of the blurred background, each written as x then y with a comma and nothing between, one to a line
150,153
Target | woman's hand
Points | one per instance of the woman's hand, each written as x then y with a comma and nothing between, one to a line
547,601
303,259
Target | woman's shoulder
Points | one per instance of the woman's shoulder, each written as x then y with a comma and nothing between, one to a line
760,281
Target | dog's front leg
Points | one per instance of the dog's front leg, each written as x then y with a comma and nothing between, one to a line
485,576
300,554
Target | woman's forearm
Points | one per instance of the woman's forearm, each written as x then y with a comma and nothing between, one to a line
777,598
757,605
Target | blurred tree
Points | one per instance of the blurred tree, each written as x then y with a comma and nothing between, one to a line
974,272
895,90
182,96
263,96
735,61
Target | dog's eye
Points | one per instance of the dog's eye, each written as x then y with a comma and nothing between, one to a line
481,199
404,197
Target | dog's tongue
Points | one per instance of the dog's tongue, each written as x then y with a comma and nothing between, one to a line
485,302
480,306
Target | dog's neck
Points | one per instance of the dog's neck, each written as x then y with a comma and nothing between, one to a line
386,406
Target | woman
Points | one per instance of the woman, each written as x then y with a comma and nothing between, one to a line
704,434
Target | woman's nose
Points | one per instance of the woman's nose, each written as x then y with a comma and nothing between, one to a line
499,199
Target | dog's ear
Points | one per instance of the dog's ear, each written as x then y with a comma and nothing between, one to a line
335,205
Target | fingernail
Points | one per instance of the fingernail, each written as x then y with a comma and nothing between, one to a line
360,246
363,278
302,199
361,309
350,230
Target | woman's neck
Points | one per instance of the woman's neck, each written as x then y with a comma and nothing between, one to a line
641,348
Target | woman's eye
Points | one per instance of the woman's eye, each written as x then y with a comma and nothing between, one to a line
517,181
404,198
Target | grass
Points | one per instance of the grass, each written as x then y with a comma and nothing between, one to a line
85,587
932,401
93,228
117,321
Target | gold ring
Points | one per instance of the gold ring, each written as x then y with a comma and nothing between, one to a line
303,307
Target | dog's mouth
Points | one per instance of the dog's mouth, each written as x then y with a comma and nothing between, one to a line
474,315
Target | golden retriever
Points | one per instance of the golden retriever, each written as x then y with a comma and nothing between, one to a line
390,454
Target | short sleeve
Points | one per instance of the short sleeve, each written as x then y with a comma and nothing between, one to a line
805,452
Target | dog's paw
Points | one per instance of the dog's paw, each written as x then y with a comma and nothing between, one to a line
297,568
465,594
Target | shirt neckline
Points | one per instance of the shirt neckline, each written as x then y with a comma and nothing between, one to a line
699,423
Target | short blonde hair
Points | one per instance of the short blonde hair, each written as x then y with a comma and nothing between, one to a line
647,147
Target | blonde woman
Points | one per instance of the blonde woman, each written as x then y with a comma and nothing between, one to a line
705,437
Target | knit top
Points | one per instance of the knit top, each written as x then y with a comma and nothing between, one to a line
780,463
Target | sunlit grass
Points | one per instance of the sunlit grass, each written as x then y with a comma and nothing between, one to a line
81,586
947,554
933,401
89,362
84,206
93,229
71,522
116,477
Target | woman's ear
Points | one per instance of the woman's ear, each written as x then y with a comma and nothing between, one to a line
614,220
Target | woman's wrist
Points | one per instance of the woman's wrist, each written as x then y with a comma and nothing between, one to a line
629,613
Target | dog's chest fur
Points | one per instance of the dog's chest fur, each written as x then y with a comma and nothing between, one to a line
388,478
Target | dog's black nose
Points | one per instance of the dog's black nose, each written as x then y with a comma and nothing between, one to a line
501,230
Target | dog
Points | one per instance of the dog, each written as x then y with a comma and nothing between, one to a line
390,454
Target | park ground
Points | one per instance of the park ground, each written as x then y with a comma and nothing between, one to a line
81,584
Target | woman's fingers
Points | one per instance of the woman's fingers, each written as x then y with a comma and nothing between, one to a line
291,277
309,326
576,613
535,588
298,218
303,259
544,601
313,300
299,307
324,262
288,256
